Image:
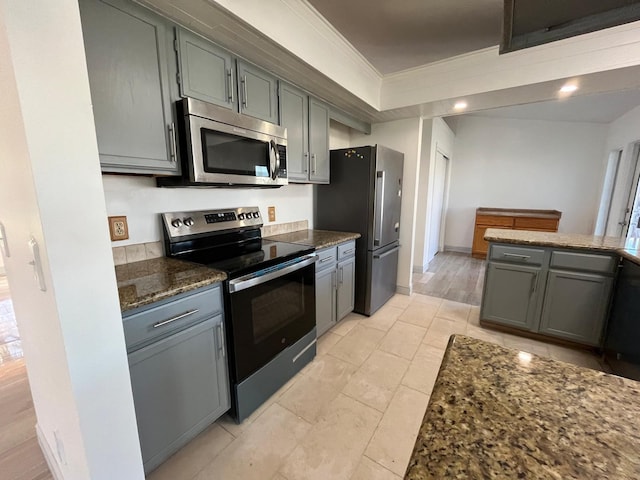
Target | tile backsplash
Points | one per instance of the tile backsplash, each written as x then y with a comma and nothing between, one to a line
147,251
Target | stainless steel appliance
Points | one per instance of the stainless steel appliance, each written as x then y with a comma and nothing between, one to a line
364,196
269,297
219,147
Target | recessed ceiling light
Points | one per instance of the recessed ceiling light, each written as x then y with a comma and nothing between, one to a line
569,88
460,105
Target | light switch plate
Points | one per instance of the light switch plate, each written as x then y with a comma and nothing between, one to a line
118,228
272,214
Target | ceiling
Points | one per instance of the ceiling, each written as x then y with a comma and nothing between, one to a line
399,35
597,108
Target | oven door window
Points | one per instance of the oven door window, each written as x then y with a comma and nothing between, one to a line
269,317
234,155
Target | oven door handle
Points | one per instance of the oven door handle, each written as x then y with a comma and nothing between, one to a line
251,280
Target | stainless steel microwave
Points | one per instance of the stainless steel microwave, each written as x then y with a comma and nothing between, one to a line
219,147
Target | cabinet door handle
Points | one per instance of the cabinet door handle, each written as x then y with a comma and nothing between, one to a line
244,91
230,84
341,275
221,350
333,280
516,255
534,282
172,142
177,317
305,165
313,163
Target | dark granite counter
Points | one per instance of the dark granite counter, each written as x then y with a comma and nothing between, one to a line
499,413
565,240
148,281
315,238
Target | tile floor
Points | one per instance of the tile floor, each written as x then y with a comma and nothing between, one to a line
354,412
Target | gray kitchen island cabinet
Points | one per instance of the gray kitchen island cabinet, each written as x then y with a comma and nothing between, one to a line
178,368
561,293
131,76
307,122
335,284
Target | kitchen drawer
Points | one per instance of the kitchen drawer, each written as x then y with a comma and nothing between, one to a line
159,320
525,223
346,250
327,258
592,262
494,220
525,255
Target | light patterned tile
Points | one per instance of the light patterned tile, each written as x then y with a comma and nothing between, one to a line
383,319
577,357
153,250
198,453
456,311
261,451
345,325
119,256
526,345
370,470
474,316
423,370
399,301
420,298
376,381
440,331
334,446
325,342
420,314
393,441
403,340
135,253
356,346
485,334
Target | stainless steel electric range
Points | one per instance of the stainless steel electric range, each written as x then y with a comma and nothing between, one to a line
269,296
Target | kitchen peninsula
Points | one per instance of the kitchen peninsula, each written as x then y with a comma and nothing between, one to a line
499,413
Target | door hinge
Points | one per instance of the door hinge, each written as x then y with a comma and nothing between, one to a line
179,78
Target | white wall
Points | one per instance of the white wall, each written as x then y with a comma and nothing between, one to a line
339,135
524,164
622,134
404,136
50,189
437,136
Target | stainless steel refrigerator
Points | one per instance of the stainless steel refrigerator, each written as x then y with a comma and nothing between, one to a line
364,196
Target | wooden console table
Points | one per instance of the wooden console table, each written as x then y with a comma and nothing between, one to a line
513,219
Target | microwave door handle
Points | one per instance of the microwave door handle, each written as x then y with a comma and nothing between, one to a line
274,159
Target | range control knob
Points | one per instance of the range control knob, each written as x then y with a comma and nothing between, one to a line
241,216
188,221
176,222
256,214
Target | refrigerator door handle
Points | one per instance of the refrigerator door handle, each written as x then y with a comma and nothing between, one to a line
387,253
379,204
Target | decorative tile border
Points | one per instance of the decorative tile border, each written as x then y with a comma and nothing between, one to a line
137,252
289,227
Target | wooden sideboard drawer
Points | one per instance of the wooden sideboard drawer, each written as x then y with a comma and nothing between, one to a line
524,223
496,221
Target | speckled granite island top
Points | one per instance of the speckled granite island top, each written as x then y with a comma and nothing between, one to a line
315,238
565,240
142,283
499,413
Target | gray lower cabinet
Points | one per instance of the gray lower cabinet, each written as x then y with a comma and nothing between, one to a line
576,306
207,71
556,292
307,123
178,368
258,92
512,298
335,284
131,76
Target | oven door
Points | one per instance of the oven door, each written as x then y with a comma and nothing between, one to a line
224,154
270,310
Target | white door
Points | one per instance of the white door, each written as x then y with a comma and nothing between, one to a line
437,205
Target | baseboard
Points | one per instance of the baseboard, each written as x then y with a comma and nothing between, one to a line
403,290
52,462
451,248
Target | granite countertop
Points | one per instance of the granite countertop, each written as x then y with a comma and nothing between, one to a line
506,212
565,240
499,413
148,281
315,238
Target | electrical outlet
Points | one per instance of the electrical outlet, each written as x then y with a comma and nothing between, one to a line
272,214
118,228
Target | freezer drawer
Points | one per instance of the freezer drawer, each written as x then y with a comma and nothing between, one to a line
383,267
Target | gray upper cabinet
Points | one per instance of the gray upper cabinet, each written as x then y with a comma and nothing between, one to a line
206,70
318,141
307,123
258,92
294,115
510,295
131,80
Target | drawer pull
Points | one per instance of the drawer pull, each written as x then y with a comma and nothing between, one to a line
326,259
177,317
351,250
515,255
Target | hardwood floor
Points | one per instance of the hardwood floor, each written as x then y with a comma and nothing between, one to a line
453,276
20,454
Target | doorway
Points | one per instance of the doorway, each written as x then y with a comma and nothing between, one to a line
631,221
438,205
